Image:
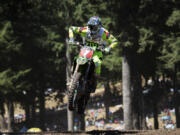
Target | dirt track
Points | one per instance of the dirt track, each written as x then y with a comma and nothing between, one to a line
99,132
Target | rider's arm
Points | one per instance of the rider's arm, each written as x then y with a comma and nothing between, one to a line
77,30
110,39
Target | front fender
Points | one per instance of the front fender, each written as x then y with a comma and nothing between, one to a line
81,60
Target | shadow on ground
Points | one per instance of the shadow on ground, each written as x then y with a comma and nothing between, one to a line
105,132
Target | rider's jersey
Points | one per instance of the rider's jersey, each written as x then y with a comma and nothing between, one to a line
102,37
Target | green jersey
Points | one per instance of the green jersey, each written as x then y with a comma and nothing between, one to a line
102,36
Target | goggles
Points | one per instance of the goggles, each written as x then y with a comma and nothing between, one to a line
93,27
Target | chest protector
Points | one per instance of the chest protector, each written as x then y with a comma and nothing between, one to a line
95,40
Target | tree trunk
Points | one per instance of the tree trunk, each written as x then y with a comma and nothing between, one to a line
10,116
176,103
27,113
136,97
155,115
144,124
42,109
136,110
106,97
33,116
2,118
70,114
126,84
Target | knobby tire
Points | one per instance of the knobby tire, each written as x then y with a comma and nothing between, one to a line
72,88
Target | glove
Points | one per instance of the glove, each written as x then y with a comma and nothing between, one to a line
71,41
107,49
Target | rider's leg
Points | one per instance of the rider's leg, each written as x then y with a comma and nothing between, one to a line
96,75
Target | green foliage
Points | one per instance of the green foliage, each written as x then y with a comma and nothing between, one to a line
171,51
145,39
113,65
10,80
7,37
174,19
171,48
33,33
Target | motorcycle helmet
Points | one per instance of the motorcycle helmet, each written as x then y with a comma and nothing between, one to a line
94,24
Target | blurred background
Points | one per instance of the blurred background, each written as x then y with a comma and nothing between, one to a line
34,61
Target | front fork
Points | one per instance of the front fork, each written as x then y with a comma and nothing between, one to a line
83,88
81,91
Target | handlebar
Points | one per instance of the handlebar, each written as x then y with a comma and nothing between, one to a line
99,48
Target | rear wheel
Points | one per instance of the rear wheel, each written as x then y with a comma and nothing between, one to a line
72,90
82,102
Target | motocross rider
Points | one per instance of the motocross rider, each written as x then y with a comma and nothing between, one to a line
94,34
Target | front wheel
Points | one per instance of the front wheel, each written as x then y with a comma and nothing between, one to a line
72,90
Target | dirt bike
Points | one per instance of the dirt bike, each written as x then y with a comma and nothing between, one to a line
80,85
